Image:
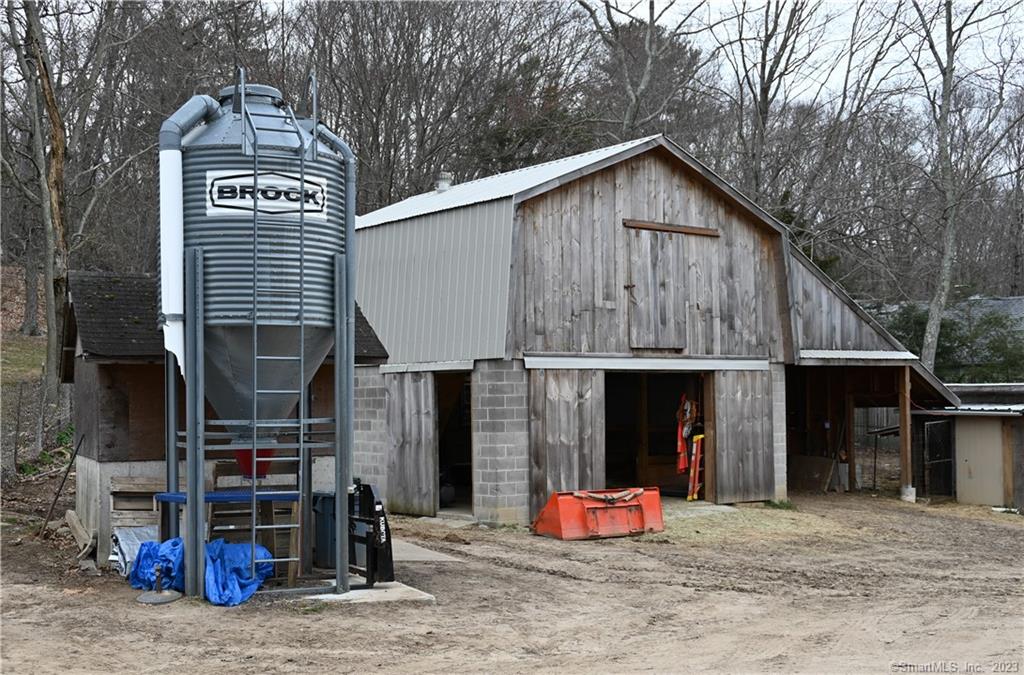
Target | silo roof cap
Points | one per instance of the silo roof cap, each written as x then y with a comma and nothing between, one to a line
252,90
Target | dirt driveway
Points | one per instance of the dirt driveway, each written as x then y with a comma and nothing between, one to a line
842,584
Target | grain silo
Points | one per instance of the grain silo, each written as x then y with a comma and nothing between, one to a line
256,211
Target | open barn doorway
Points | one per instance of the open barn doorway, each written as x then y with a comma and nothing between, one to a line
455,443
641,434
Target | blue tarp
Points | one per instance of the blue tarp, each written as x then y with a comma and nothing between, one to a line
227,569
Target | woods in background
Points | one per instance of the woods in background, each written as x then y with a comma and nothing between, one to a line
889,137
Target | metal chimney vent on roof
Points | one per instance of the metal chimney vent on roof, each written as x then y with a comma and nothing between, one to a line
444,181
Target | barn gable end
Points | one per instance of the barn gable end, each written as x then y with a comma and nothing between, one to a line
646,256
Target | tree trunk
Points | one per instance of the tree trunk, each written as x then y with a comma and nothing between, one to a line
950,199
1017,273
30,322
938,302
56,264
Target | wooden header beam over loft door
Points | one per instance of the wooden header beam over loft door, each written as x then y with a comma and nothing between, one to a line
671,228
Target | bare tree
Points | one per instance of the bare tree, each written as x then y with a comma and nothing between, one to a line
652,58
967,115
1014,156
60,61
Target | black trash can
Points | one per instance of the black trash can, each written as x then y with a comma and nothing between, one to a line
325,534
323,529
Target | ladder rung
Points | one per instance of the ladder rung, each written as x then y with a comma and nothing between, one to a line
283,423
277,492
277,459
278,391
286,526
278,358
275,560
221,528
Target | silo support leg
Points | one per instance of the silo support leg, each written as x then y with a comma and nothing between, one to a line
195,514
342,423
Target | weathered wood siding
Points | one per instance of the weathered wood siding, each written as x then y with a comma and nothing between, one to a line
824,320
567,432
655,292
412,471
744,461
582,282
119,410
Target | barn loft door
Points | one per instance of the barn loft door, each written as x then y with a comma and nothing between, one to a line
412,444
744,458
657,268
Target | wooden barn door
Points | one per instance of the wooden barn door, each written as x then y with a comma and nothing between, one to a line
657,268
567,431
412,444
743,451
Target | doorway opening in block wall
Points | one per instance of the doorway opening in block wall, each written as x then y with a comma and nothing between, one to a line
455,442
643,415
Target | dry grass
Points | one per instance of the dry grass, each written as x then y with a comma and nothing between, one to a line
749,523
21,358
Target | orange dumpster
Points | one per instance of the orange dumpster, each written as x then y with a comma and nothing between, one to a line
593,514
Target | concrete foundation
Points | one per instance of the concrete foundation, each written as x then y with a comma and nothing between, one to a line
387,591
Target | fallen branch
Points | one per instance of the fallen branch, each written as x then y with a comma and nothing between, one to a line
56,495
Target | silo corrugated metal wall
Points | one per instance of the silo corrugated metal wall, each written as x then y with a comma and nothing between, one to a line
435,288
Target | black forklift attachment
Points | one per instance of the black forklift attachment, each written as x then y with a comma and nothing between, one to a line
369,542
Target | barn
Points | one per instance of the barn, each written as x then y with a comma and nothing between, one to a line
544,324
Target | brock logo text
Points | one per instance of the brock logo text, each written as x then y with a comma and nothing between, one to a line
274,192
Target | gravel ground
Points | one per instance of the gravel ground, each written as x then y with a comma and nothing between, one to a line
844,583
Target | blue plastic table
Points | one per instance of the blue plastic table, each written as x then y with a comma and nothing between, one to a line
229,497
242,496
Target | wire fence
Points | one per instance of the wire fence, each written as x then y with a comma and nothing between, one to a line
32,425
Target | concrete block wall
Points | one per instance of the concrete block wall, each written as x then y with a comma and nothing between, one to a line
501,442
778,379
370,459
369,456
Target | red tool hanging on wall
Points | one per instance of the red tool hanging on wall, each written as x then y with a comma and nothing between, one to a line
685,418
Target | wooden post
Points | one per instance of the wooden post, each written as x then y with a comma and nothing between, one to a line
906,481
1008,463
709,438
851,448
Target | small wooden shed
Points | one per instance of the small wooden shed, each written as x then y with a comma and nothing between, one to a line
983,439
544,325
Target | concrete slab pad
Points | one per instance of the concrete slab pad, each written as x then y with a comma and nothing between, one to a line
406,551
388,591
455,520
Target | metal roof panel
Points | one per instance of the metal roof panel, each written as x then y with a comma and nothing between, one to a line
498,186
